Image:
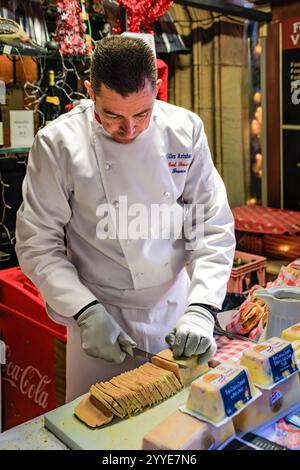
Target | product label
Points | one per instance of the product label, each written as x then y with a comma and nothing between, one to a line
220,375
236,393
283,363
270,347
276,401
7,49
296,328
53,99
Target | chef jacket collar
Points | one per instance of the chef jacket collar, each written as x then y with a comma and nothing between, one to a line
97,117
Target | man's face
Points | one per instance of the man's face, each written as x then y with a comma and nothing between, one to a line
124,118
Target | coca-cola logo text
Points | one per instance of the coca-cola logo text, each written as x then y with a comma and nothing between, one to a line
28,381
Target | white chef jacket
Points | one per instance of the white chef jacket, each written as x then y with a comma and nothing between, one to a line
75,166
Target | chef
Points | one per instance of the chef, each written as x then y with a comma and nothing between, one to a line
120,195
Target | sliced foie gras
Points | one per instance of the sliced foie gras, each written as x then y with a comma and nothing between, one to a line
186,375
139,394
154,395
93,412
107,401
133,391
133,398
167,379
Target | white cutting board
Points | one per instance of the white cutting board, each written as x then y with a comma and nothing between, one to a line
119,434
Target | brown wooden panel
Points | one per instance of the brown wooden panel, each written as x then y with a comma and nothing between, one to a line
273,114
282,246
287,9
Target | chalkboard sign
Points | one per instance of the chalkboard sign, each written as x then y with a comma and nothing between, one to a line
291,71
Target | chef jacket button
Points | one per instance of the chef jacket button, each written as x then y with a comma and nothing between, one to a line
107,166
167,194
116,203
138,275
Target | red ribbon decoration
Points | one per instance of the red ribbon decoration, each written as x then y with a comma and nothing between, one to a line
142,14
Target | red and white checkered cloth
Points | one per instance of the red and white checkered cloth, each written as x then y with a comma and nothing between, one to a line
230,349
260,219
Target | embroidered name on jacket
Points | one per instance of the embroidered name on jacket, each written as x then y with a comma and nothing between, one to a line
179,162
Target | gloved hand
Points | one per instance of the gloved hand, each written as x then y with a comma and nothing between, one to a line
102,337
193,334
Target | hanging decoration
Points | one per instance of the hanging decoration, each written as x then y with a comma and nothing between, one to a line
71,28
142,14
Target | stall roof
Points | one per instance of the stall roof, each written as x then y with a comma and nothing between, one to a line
228,8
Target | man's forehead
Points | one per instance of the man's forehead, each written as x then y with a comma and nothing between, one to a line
134,103
105,90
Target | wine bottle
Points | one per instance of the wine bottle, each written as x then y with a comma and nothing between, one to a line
52,100
88,30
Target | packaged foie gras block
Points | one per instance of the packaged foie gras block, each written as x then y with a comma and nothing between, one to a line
180,431
269,405
270,362
296,347
221,393
292,333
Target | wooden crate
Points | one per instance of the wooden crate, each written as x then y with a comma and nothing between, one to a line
243,277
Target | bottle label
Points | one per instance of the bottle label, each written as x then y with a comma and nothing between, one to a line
2,92
1,134
53,99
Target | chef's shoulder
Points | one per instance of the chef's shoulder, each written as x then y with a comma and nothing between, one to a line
70,126
177,119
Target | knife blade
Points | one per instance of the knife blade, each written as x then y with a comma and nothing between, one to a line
220,332
147,355
141,353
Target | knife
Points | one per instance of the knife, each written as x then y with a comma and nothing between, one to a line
147,355
220,332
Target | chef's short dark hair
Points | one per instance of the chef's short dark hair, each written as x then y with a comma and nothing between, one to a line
122,64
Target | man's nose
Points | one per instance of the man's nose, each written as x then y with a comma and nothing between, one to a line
128,127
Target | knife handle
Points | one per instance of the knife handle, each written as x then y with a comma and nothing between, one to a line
128,349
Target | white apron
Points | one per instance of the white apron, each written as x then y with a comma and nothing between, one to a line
147,326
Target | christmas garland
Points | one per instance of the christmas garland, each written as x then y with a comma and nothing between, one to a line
70,30
142,14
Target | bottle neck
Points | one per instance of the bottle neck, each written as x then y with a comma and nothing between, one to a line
51,79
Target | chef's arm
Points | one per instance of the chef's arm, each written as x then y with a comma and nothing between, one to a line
41,219
209,234
211,251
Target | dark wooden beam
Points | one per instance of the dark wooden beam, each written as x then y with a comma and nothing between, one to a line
226,8
124,19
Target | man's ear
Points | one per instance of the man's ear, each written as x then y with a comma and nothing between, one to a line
88,86
158,84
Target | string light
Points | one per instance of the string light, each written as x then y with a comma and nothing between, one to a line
257,97
258,48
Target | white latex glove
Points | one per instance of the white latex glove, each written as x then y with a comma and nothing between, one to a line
193,334
101,336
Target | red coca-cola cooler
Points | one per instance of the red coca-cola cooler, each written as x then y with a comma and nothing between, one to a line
34,374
